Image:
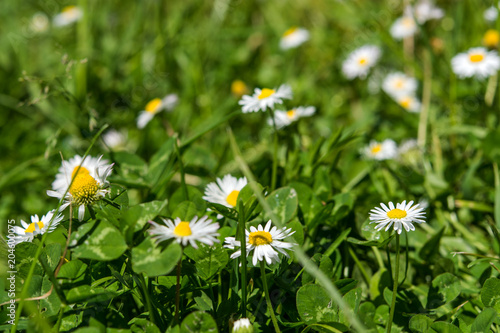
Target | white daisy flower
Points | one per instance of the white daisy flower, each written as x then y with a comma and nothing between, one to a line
285,118
408,146
403,27
293,37
154,106
225,191
410,103
399,84
359,62
38,226
197,230
242,325
491,14
114,140
265,98
39,22
265,242
477,61
425,10
89,182
403,215
381,150
67,16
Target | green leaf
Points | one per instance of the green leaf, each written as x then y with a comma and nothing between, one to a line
142,325
249,200
314,305
104,243
186,210
72,270
149,259
443,327
199,322
87,293
490,293
195,196
431,247
352,298
159,161
209,260
309,204
283,203
136,217
52,254
483,321
420,324
366,315
445,288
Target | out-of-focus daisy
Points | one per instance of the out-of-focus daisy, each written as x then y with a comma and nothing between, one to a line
293,37
384,150
403,27
239,88
409,102
154,106
39,22
225,191
197,230
403,215
410,153
285,118
359,62
477,61
67,16
89,182
491,38
114,140
425,10
242,325
407,146
491,14
399,84
265,98
38,226
266,243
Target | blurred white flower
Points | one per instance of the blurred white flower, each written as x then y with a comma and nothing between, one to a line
384,150
154,106
403,27
477,61
242,325
409,102
38,226
293,37
491,14
359,62
114,140
225,191
399,84
425,10
285,118
39,22
67,16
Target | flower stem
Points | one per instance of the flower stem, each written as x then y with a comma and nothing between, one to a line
268,300
395,287
243,258
178,291
275,152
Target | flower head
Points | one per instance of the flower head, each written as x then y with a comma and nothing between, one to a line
81,182
154,106
491,14
197,230
359,62
403,215
477,62
114,140
409,102
425,10
399,84
39,22
264,242
238,88
242,325
265,98
403,27
384,150
38,226
67,16
285,118
293,37
491,38
225,191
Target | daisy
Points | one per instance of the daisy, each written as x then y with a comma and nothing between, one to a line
425,10
285,118
408,146
67,16
265,242
37,227
403,27
39,22
293,37
238,88
399,84
477,62
265,98
114,140
410,103
491,38
81,182
359,62
381,150
403,215
225,191
154,106
242,325
490,14
201,230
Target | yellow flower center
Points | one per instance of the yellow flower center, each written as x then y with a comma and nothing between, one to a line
232,198
257,238
84,189
408,22
362,61
31,228
266,93
82,171
290,114
238,88
183,229
396,214
153,105
405,102
376,149
290,31
491,38
476,57
399,84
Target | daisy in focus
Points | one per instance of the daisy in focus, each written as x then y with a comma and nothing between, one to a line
265,98
491,38
225,191
266,243
197,230
359,62
293,37
67,16
477,61
38,226
410,103
81,182
154,106
285,118
384,150
242,325
403,27
399,84
238,88
402,216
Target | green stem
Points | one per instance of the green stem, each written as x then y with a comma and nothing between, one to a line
395,287
360,266
181,170
243,258
426,100
275,152
148,300
268,300
178,291
91,212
